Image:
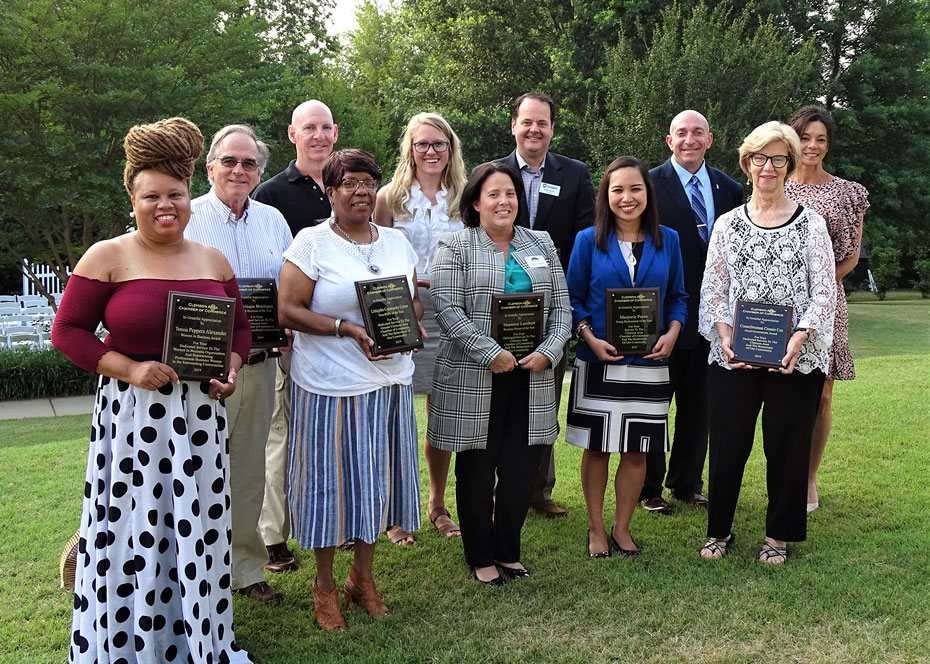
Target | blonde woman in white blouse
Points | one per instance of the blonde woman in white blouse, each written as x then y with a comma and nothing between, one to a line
775,251
422,202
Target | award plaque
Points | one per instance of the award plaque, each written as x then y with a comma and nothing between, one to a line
761,332
634,320
199,335
260,300
517,322
387,309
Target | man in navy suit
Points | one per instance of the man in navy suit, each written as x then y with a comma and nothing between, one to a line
559,200
690,195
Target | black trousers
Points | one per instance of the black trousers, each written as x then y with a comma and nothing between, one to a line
491,518
687,372
789,407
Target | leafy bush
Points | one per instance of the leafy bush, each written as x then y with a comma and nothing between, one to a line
32,374
886,268
922,283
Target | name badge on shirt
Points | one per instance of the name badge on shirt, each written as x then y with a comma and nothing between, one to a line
549,189
536,261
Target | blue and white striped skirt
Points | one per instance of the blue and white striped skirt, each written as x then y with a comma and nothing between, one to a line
352,466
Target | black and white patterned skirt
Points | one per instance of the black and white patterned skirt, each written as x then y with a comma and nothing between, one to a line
152,582
618,407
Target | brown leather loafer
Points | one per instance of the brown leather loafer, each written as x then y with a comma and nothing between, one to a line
260,592
695,498
549,509
656,505
280,559
326,606
363,592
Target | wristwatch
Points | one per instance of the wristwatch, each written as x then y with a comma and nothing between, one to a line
805,330
580,328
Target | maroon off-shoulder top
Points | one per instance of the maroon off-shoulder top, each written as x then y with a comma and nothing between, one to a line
134,313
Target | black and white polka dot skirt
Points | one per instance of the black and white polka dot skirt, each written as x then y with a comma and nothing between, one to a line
152,582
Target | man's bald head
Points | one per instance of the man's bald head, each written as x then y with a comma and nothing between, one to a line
314,133
688,138
310,106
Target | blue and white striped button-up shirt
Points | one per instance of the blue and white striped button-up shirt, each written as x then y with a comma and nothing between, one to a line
253,244
531,184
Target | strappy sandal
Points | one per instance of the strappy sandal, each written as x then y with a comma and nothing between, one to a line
68,562
770,551
399,537
718,547
442,521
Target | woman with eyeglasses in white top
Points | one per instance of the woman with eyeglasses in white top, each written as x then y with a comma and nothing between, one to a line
352,455
422,202
775,252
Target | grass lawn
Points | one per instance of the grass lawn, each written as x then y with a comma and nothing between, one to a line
856,591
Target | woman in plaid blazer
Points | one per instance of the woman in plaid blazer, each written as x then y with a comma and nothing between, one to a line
491,409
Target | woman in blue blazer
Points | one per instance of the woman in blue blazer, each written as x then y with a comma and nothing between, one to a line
620,404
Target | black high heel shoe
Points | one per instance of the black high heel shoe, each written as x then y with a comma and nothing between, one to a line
512,573
615,545
600,554
496,582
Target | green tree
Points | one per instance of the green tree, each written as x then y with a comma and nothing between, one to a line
709,60
873,60
76,74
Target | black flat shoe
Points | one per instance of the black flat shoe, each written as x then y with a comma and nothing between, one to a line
512,573
615,545
600,554
495,582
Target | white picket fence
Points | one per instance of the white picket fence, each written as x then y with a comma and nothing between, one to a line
46,276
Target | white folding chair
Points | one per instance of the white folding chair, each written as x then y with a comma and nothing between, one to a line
33,300
24,336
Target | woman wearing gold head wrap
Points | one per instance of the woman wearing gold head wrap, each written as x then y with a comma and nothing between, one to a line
152,576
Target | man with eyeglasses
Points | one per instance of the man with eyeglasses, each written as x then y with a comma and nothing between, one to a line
559,199
253,237
298,193
690,195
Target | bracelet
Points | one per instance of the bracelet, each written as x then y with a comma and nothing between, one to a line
336,325
580,328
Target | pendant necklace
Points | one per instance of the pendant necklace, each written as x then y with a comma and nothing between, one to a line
374,269
629,258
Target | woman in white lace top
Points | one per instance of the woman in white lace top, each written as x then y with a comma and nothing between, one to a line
773,251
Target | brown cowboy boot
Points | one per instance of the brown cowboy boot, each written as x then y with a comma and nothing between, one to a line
326,605
363,592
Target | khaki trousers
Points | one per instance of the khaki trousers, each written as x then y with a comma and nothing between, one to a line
274,525
249,413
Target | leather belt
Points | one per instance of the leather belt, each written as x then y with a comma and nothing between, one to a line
261,356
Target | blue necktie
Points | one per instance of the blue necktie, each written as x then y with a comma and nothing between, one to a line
700,211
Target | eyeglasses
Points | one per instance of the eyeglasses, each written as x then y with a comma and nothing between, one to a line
249,165
424,146
352,185
759,159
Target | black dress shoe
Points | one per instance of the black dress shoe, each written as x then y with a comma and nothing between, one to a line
656,505
615,545
600,554
497,581
695,498
512,573
280,559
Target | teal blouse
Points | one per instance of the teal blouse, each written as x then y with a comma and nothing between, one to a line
516,280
